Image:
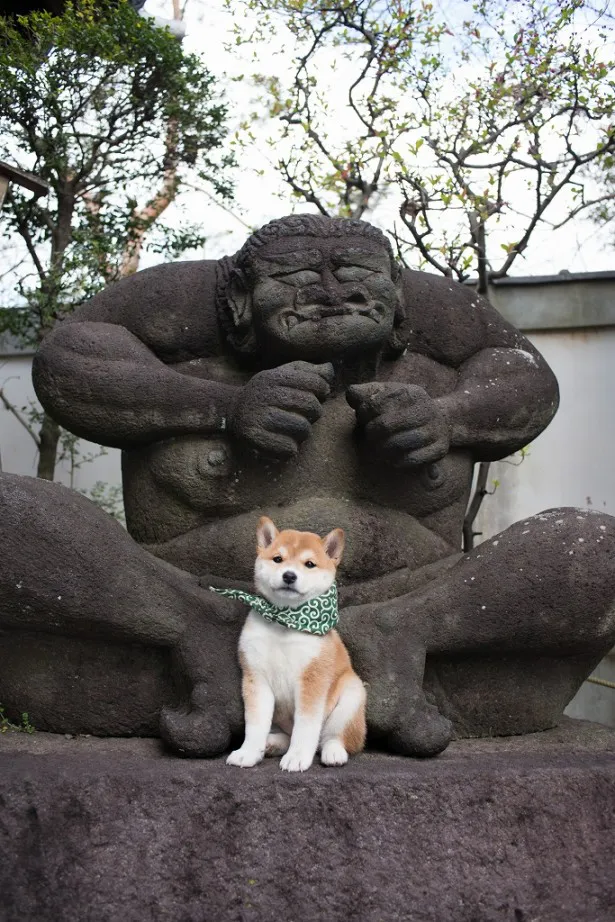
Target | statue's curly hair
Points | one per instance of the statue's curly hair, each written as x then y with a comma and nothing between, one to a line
301,225
311,225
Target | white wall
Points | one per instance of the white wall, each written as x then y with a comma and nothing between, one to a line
571,463
18,452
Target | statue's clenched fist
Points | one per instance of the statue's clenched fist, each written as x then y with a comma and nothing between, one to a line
402,421
276,408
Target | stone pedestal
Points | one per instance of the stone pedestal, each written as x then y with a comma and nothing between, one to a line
113,830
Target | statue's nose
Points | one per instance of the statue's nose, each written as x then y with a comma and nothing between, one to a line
328,291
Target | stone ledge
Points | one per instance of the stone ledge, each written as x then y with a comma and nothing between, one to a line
508,829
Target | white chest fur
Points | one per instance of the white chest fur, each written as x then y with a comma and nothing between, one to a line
278,654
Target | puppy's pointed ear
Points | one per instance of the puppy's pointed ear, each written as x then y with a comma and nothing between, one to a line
266,533
239,298
333,544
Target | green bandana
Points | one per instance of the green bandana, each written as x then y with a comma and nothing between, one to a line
318,616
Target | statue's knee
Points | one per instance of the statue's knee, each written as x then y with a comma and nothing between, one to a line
572,551
574,529
557,548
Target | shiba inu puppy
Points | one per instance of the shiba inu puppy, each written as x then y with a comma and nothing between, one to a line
297,673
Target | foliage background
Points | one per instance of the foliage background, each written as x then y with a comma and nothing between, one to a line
118,119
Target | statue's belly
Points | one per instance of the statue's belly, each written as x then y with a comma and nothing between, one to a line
205,496
214,477
380,541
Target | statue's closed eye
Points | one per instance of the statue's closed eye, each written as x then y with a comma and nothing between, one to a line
352,273
299,278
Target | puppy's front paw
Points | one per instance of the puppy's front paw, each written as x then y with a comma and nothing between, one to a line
333,753
245,757
296,761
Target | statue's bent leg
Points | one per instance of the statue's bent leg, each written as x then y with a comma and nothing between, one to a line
546,584
519,622
69,569
202,726
511,661
390,658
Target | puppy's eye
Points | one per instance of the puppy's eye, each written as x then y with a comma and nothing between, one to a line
278,559
310,564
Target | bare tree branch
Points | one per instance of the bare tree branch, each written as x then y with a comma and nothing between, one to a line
473,509
24,232
19,417
144,218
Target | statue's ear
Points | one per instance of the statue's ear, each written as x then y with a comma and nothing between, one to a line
397,343
239,298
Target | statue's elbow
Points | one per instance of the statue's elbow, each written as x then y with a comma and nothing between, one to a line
550,396
53,368
43,376
540,395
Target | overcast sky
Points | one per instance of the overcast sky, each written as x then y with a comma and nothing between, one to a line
578,247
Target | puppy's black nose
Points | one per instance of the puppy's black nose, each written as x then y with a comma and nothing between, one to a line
289,577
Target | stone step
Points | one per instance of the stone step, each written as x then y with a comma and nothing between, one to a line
117,830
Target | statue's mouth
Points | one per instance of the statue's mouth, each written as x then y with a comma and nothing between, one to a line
314,313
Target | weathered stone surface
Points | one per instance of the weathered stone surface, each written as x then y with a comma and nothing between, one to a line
114,830
309,379
91,623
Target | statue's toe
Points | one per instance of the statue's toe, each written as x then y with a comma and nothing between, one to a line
196,730
423,731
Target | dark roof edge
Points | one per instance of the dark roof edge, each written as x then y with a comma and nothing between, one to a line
561,277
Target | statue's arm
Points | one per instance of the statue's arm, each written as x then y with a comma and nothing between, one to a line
106,373
102,383
505,397
505,394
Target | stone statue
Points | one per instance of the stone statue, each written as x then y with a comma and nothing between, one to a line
309,379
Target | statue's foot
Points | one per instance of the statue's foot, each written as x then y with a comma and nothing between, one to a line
199,729
397,710
399,715
423,731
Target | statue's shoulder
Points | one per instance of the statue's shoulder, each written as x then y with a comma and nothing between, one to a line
438,296
171,307
449,321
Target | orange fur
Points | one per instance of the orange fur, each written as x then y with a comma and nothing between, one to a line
297,546
248,687
322,677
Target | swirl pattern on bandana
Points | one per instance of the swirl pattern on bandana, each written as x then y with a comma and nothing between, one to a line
317,616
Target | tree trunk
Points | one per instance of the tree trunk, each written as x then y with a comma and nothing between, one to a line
480,492
477,227
49,436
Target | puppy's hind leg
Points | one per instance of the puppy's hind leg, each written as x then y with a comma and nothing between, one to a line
344,729
277,743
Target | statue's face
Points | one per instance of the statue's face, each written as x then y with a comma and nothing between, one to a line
319,298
